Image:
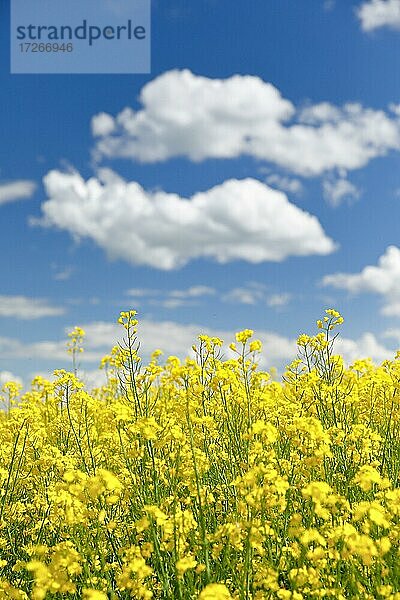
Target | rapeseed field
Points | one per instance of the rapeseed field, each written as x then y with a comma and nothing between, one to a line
204,478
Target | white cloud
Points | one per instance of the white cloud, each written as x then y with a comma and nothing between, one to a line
256,293
194,291
140,296
102,124
6,376
21,307
250,294
183,114
61,273
383,279
337,190
93,378
171,303
191,292
99,338
279,300
367,346
286,184
189,297
379,13
139,293
16,190
11,348
317,114
237,220
395,109
392,332
171,298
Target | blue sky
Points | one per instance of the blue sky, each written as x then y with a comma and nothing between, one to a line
250,180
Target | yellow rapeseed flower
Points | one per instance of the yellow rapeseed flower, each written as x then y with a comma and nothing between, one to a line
215,591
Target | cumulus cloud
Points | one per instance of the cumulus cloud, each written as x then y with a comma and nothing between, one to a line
16,190
183,114
382,279
22,307
237,220
379,13
338,190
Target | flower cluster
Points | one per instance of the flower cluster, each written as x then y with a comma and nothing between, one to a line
204,478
